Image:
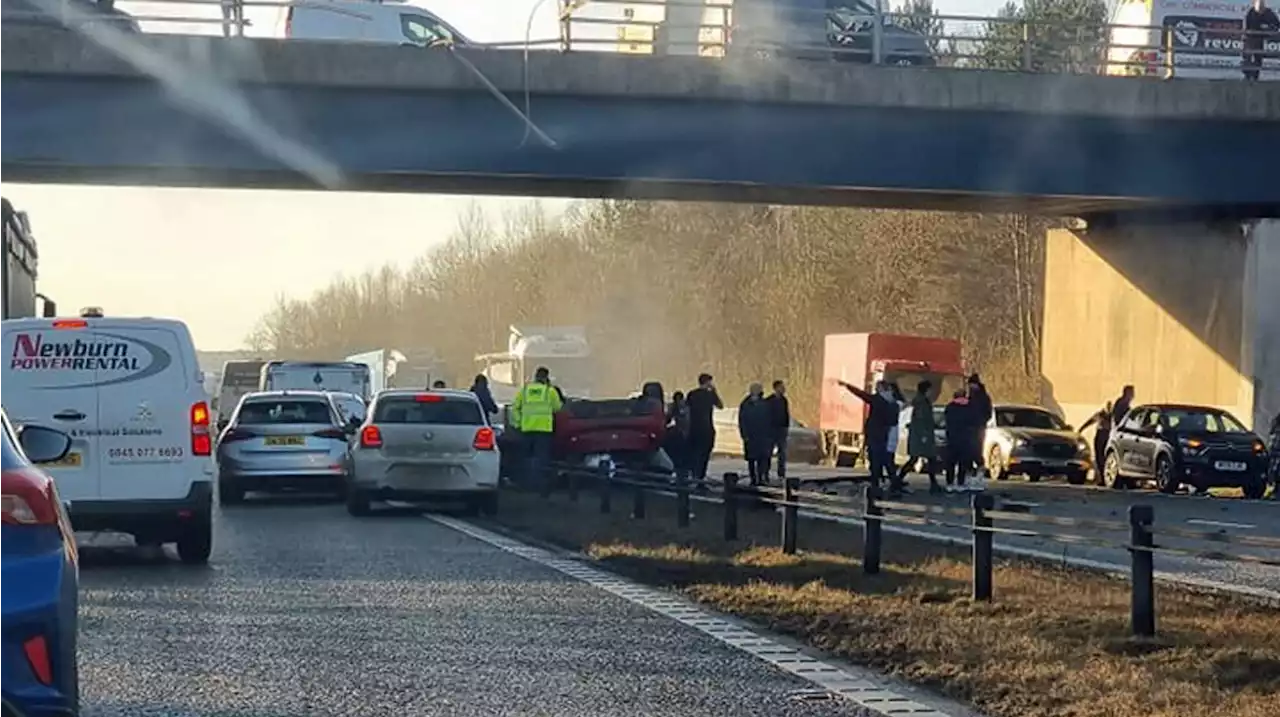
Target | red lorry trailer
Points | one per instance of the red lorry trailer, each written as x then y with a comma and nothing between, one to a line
864,359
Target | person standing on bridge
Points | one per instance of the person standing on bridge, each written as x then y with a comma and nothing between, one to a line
1261,27
1101,436
703,402
534,408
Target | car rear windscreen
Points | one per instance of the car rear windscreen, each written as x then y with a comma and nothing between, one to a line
262,413
443,412
610,408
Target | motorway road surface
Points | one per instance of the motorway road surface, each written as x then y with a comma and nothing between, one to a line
307,611
1228,515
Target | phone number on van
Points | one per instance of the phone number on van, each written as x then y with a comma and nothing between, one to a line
133,454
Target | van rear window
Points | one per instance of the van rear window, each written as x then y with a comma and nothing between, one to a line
262,413
444,412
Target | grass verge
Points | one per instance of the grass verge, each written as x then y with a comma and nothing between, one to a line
1053,643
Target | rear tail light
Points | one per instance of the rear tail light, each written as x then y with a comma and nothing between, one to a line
201,440
485,439
335,433
232,435
70,324
428,398
370,437
37,651
29,498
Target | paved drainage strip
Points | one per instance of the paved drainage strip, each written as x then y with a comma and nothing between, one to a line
830,678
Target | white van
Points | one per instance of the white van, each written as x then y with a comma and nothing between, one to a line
1205,37
130,394
393,23
336,376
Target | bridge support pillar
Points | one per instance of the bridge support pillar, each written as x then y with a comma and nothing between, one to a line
1184,311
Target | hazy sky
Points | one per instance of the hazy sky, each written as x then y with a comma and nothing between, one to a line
216,258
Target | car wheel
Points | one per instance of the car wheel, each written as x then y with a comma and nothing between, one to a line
358,503
489,504
196,542
1076,478
1255,490
995,464
1034,477
1111,472
1166,482
229,493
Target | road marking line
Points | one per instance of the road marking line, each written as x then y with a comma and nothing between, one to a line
1221,524
866,690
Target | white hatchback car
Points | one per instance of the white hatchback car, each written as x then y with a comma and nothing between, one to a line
417,446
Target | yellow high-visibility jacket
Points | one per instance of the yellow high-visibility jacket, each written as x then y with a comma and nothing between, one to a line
535,407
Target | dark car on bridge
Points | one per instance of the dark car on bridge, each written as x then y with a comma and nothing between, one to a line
1175,445
841,30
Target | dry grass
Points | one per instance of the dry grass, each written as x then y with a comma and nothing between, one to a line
1053,643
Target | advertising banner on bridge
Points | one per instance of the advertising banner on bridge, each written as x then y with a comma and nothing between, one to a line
1206,37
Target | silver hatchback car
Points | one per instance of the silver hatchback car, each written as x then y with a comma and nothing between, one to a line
425,445
284,440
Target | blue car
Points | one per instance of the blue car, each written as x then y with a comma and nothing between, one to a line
40,572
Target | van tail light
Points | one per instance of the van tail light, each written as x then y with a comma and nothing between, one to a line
29,498
201,439
428,398
231,435
370,437
36,650
485,440
335,433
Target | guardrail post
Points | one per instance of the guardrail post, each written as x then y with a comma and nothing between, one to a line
1169,62
730,506
1142,604
982,539
790,516
682,502
603,484
637,502
877,37
871,528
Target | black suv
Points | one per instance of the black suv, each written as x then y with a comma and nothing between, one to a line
1177,445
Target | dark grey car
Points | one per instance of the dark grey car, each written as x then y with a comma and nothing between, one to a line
823,30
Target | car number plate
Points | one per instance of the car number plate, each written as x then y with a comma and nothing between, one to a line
71,460
1229,466
284,440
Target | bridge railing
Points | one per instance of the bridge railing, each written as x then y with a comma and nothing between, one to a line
710,28
982,520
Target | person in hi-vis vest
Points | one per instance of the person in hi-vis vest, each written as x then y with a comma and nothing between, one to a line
533,413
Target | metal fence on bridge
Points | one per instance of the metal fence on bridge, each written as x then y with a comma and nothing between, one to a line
709,28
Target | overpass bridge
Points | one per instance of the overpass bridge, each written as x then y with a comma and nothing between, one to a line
241,112
1159,291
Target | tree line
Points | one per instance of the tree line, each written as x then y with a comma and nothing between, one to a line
667,290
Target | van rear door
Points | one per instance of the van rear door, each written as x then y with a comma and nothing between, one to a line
50,375
145,400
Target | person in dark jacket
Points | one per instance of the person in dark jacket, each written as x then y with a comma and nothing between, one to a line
921,445
480,387
883,417
755,426
959,417
981,409
703,402
676,442
1261,25
780,418
1101,436
1120,407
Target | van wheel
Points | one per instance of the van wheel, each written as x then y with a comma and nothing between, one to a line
196,542
1076,478
358,503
